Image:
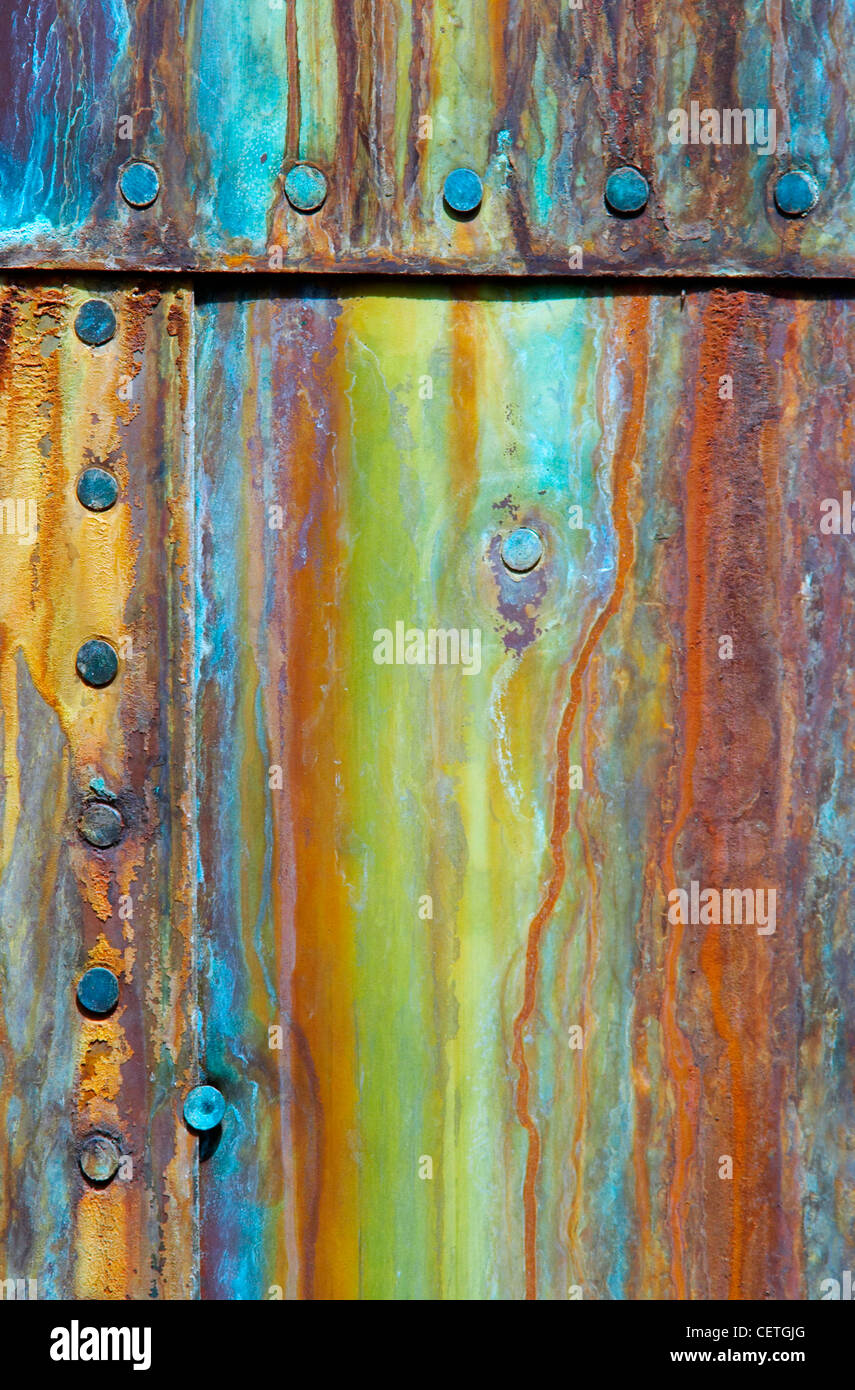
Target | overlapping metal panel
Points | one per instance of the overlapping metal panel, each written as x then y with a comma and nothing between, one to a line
67,576
541,806
544,99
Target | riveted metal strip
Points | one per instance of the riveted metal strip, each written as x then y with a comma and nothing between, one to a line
260,135
97,882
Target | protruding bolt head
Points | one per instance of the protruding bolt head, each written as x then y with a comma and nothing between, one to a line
305,187
97,662
522,550
95,323
97,490
99,1158
796,193
98,990
627,192
463,192
204,1108
139,183
100,824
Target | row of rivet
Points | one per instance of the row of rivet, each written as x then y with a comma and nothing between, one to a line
626,192
100,823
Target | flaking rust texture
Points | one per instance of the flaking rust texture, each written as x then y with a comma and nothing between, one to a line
67,575
544,99
428,1127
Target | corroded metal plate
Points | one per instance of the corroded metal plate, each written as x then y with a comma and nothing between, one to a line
76,755
473,1045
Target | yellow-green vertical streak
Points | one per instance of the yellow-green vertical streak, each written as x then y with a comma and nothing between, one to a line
452,769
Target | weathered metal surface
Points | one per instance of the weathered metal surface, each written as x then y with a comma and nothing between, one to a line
674,458
543,99
72,753
463,1046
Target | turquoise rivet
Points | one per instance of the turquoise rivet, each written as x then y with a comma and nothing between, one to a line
796,193
463,191
204,1108
522,550
95,323
97,663
139,183
97,490
305,187
627,192
98,990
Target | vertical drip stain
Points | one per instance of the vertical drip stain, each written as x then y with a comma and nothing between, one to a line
466,329
721,321
420,90
292,138
712,961
633,320
591,949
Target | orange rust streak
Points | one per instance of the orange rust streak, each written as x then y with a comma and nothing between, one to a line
711,963
678,1056
711,960
636,320
467,326
324,1046
644,1255
498,29
591,944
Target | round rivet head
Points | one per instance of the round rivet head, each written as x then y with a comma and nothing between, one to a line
139,183
305,187
204,1108
97,662
99,1158
463,191
97,490
95,323
100,824
522,550
98,990
627,192
796,193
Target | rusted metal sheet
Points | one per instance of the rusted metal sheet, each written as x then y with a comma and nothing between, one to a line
471,1043
512,1062
543,99
74,755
